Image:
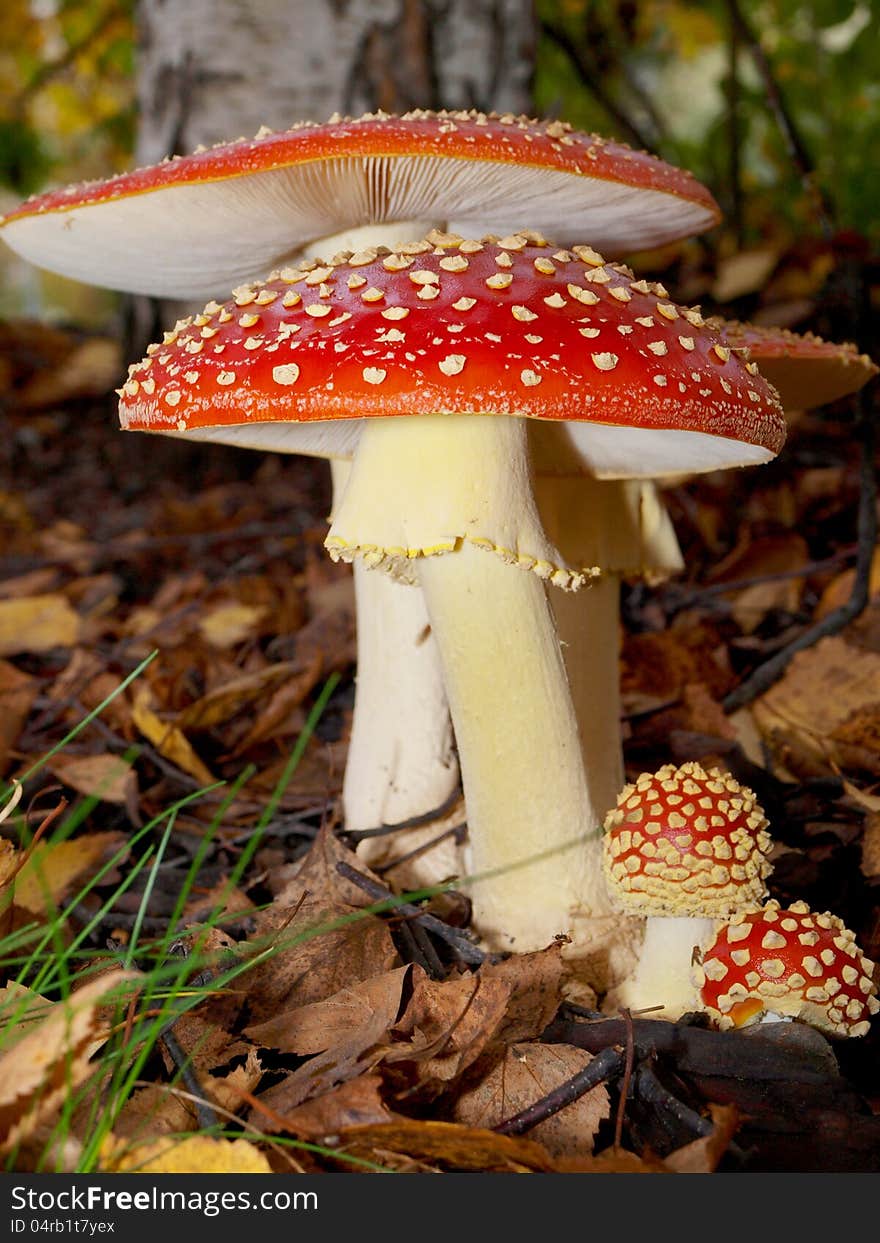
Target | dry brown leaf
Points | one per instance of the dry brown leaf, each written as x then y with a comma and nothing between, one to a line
824,705
448,1024
52,1060
17,693
615,1161
526,1073
237,693
839,590
447,1144
325,944
107,777
37,624
361,1014
702,1155
357,1103
20,1009
870,862
167,738
536,988
53,868
194,1154
274,717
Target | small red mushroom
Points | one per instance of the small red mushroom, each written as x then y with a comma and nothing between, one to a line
683,847
787,962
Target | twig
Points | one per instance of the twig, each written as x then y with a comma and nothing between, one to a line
591,78
762,678
627,1076
604,1066
414,822
457,831
204,1112
796,146
461,944
650,1089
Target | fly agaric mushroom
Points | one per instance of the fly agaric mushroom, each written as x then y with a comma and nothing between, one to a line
807,372
396,355
683,848
378,179
787,962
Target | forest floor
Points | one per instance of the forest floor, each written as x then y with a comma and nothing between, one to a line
190,849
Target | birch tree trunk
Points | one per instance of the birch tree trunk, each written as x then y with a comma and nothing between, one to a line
211,70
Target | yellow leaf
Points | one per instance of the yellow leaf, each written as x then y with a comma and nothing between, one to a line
196,1154
231,623
54,867
36,624
166,738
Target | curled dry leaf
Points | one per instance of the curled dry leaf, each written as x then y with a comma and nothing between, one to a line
195,1154
357,1103
526,1073
702,1155
44,1067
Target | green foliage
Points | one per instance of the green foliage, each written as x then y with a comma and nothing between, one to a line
665,66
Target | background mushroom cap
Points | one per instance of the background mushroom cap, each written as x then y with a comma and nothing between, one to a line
686,842
788,961
509,327
806,370
193,226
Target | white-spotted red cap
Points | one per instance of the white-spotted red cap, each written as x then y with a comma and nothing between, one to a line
193,226
686,842
507,327
806,370
791,962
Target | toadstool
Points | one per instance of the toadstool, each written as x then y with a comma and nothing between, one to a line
394,361
195,225
683,848
787,962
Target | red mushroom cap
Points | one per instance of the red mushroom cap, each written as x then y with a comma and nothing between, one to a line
506,327
195,225
792,962
806,370
684,842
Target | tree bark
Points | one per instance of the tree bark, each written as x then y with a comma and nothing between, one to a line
211,70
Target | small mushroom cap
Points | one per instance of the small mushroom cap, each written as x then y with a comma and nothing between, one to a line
806,370
193,226
447,325
788,961
685,842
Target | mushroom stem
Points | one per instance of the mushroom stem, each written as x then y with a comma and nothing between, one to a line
448,499
587,623
367,236
401,757
662,976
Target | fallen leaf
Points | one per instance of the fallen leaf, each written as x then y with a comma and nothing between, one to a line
702,1155
194,1154
526,1073
37,624
42,1069
229,624
357,1103
447,1144
234,695
17,693
53,868
320,943
107,777
167,738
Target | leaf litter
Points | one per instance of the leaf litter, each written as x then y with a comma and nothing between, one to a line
265,994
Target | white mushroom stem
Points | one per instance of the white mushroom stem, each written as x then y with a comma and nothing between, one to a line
588,623
462,513
662,977
401,758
